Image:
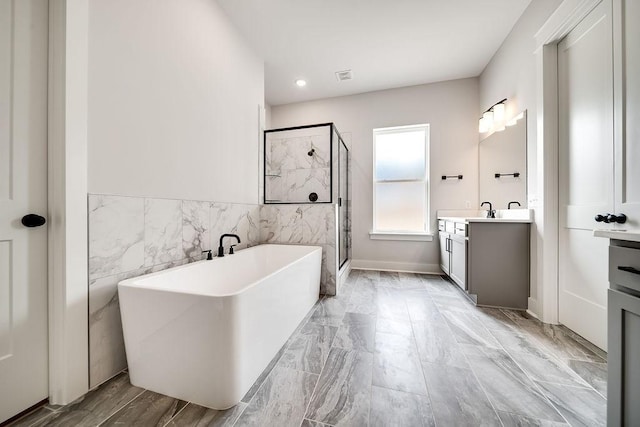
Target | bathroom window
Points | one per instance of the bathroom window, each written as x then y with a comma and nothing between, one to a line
400,182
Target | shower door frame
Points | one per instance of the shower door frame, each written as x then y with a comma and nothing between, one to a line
264,162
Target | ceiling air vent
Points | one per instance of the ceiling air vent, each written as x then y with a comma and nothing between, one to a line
344,75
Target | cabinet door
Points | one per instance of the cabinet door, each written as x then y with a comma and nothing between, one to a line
458,267
623,386
444,252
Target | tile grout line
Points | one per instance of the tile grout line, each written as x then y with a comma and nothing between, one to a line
121,408
176,414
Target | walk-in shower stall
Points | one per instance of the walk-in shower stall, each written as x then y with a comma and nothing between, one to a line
307,167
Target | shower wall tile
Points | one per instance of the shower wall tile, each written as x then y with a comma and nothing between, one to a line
299,183
132,236
195,228
116,234
304,225
162,231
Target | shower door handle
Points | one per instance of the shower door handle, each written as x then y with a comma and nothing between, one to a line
339,201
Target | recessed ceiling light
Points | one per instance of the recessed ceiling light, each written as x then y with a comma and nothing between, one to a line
301,83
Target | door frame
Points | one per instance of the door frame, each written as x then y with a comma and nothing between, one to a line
67,201
560,23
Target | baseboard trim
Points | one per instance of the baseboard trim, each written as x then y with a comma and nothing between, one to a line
405,267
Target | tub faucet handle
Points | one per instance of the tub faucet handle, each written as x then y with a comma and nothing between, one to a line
209,256
231,250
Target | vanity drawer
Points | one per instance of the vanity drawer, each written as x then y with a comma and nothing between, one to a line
449,226
624,267
441,224
461,229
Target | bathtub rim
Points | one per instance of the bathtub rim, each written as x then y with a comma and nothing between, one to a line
131,282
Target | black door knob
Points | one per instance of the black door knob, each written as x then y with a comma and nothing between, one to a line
620,219
33,220
601,218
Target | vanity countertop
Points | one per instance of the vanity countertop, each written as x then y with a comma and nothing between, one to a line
628,235
504,215
482,219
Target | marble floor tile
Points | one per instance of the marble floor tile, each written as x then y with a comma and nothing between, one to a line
343,392
411,281
456,303
392,407
391,304
357,332
39,417
282,399
559,343
198,416
494,319
309,423
396,364
436,344
422,308
97,405
507,386
145,410
438,286
395,327
595,374
515,420
389,279
363,298
457,398
263,376
579,406
329,312
547,369
309,348
582,341
468,330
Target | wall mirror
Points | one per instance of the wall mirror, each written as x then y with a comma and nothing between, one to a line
503,165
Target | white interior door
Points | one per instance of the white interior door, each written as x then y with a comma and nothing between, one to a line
585,89
23,190
627,97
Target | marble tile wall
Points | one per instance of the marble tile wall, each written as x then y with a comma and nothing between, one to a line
291,173
132,236
305,225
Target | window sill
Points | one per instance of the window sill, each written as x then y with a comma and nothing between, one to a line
411,237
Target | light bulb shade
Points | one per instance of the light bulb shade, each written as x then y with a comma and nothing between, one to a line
488,116
499,112
482,125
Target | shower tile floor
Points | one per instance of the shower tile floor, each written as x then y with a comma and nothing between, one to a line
395,349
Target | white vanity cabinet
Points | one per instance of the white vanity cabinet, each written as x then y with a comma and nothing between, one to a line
453,251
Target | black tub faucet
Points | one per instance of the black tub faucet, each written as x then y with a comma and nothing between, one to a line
221,248
509,205
490,213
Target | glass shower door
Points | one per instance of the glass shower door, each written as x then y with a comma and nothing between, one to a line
343,205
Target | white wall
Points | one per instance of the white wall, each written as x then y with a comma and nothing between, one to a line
452,110
511,74
173,102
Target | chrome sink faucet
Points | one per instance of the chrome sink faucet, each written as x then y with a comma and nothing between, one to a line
490,213
221,248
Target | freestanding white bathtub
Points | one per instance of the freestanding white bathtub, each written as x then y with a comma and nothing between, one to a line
204,332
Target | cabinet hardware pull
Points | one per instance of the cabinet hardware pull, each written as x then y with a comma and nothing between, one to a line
629,270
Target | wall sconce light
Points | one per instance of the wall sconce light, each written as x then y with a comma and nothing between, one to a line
493,118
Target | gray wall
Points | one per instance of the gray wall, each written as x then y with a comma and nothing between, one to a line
451,108
511,74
